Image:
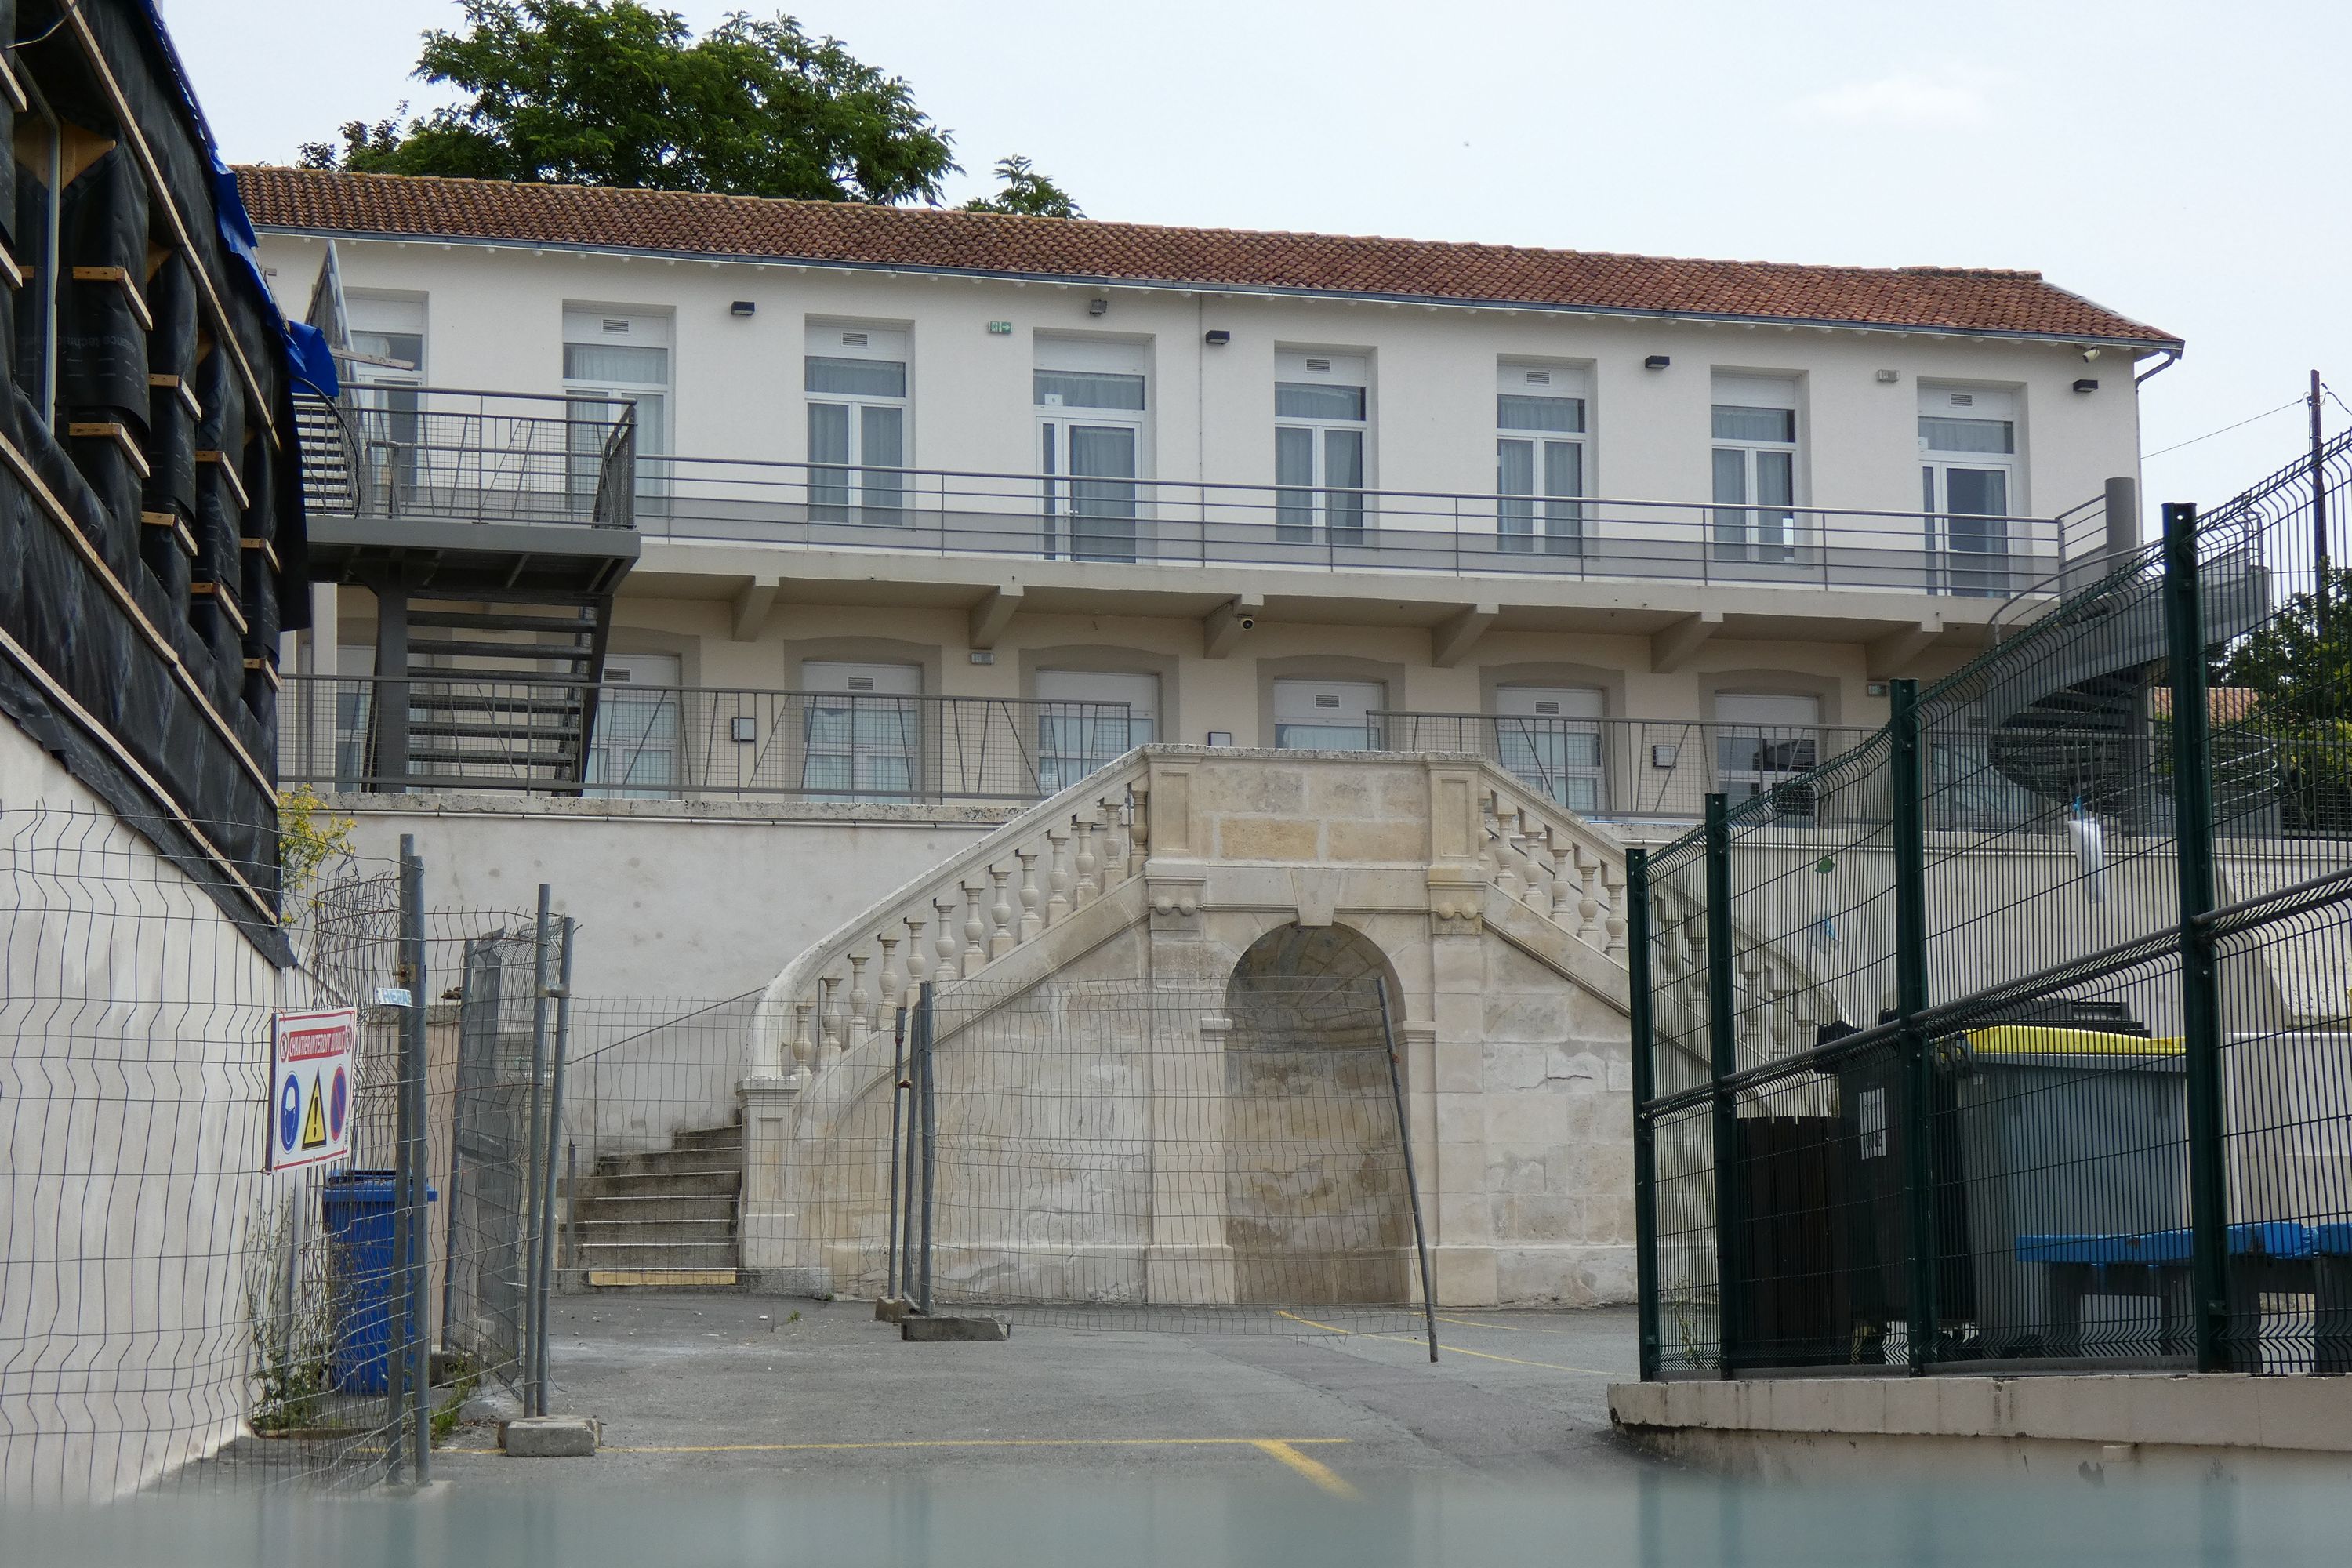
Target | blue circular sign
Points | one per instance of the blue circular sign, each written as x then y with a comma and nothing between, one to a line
336,1103
289,1113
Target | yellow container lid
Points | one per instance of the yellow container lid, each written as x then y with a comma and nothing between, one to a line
2049,1040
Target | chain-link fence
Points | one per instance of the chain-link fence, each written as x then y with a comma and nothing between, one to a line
2017,1037
225,1248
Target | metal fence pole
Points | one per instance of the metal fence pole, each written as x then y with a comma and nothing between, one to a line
532,1158
2201,1002
547,1185
1645,1163
927,1021
1722,1059
1906,782
894,1260
1412,1186
410,1186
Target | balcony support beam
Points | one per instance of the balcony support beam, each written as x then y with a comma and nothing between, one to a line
1451,639
753,600
1673,647
994,612
1222,627
1891,654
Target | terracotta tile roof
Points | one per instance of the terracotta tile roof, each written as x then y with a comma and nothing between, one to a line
1969,301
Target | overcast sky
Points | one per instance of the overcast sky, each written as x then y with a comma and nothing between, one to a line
2180,162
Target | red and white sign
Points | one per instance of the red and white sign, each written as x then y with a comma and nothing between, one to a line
313,1080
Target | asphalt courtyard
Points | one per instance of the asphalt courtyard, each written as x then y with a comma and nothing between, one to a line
715,1390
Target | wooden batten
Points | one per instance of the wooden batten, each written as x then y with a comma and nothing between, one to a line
11,274
222,465
268,672
225,596
178,383
120,275
170,519
108,430
10,86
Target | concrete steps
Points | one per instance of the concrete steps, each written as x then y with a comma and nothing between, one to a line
666,1218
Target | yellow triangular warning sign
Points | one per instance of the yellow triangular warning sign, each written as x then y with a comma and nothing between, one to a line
314,1120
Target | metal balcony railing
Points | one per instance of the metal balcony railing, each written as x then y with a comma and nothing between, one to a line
700,744
470,457
1186,522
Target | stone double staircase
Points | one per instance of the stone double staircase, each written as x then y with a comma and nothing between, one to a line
666,1218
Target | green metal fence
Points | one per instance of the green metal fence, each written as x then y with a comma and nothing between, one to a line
2024,1045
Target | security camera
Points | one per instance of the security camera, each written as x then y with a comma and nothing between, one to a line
2089,354
1249,623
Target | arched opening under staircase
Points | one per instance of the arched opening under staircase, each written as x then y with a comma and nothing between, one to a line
1317,1209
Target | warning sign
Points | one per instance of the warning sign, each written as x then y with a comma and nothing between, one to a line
311,1067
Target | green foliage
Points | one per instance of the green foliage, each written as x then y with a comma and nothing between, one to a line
307,839
2301,678
1026,192
612,92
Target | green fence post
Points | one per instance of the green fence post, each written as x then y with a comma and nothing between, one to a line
1722,1059
2201,1002
1906,781
1645,1164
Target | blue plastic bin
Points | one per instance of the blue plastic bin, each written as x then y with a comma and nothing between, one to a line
356,1211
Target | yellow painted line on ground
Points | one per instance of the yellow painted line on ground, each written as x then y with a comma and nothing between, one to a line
1315,1471
983,1443
1455,1350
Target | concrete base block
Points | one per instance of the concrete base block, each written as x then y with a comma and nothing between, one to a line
917,1330
551,1436
891,1308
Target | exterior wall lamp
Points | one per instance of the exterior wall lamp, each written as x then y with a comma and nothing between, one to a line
1217,337
742,308
1657,362
2086,385
1096,307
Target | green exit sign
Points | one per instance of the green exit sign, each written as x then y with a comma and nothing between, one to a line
1001,329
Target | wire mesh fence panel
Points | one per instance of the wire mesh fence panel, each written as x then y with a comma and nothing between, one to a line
491,1138
2022,1039
1122,1155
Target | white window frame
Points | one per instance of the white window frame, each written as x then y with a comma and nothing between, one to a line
1091,518
1745,527
1310,508
876,729
1757,756
1553,740
1075,742
638,729
1298,700
380,326
1971,550
1538,513
592,326
854,490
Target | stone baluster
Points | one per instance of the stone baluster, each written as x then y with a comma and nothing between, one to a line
1563,878
1139,831
945,944
1032,919
1489,833
1000,939
829,1045
975,927
915,962
803,1042
1113,844
1084,889
1613,915
1505,873
1587,907
1538,854
1057,862
889,981
860,1004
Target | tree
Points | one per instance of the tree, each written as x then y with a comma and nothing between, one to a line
2301,677
611,93
1025,191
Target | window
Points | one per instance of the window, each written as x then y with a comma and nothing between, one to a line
1090,434
863,733
1968,448
1325,715
1076,737
612,358
855,378
1761,742
1549,738
386,403
1320,435
635,750
1755,454
1539,458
